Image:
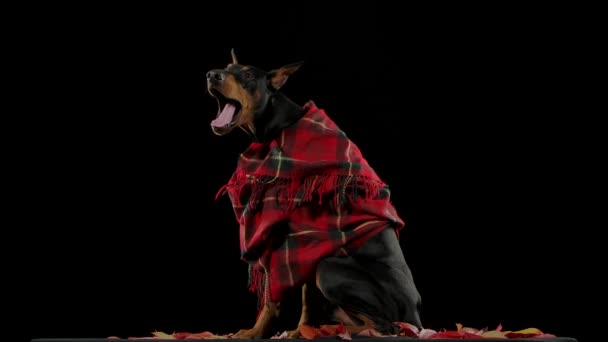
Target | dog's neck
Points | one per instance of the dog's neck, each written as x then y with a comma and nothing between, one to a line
280,112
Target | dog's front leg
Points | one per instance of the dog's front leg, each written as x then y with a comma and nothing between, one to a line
262,325
306,311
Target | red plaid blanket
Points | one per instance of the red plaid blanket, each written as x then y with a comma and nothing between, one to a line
306,195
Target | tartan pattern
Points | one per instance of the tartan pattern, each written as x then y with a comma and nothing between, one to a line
304,196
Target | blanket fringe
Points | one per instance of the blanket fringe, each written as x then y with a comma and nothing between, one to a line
294,191
257,284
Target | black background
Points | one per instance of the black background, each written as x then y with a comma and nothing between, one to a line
460,115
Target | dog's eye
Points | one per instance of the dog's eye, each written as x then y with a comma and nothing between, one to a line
248,75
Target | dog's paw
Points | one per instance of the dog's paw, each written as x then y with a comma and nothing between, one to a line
246,334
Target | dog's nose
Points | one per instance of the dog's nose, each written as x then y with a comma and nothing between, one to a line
217,75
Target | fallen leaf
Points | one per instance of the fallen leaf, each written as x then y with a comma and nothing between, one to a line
530,332
281,336
407,329
163,336
493,334
345,335
426,333
545,335
205,335
181,335
329,330
454,334
472,330
460,327
309,332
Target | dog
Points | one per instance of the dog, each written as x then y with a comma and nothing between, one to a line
314,217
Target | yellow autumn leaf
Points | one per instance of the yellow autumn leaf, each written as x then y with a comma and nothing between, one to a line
493,334
163,336
531,331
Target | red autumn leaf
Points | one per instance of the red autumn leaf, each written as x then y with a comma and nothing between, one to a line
407,329
345,335
181,335
469,335
329,330
309,332
447,334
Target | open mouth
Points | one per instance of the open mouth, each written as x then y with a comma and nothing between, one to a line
229,111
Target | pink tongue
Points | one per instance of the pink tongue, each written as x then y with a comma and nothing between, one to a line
225,116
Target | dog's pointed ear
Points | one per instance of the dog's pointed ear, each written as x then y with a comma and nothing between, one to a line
278,77
233,54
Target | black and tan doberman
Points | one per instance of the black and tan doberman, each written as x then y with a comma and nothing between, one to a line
371,287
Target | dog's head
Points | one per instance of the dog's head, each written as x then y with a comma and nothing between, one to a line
242,93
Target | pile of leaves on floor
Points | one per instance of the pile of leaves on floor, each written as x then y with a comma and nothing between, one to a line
406,330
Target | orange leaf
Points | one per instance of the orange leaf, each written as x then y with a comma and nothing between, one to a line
309,332
530,332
